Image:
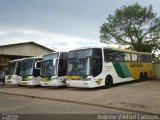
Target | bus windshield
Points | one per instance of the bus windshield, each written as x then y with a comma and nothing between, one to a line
85,62
48,69
27,67
11,68
79,67
79,62
80,54
19,64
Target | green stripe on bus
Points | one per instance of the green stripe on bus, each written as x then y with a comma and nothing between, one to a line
121,69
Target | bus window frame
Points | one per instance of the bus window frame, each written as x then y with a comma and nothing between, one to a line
148,60
132,57
113,57
129,55
148,56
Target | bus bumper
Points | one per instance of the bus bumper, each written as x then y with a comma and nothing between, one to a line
30,82
52,83
12,82
81,84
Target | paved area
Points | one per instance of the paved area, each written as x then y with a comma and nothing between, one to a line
26,105
129,97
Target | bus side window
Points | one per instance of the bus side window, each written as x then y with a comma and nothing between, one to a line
139,57
36,72
149,58
118,56
134,57
38,65
18,68
127,57
62,69
37,69
108,55
97,66
145,58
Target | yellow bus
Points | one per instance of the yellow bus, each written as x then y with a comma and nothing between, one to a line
91,67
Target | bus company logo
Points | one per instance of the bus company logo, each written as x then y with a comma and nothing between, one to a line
64,81
99,81
136,65
108,67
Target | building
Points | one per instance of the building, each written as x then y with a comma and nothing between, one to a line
19,50
156,67
156,71
156,59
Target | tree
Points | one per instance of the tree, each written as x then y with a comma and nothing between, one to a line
134,26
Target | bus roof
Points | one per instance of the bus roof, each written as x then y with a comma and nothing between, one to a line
16,60
117,49
32,58
55,52
88,47
132,51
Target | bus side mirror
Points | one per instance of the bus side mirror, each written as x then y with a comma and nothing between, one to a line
55,61
38,64
6,69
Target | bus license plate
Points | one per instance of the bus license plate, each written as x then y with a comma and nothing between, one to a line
23,83
8,81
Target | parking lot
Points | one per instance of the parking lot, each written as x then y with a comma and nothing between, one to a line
132,97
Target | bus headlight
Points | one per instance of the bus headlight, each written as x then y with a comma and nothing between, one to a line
30,78
54,78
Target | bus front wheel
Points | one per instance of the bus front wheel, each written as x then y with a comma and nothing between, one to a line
145,76
141,76
108,82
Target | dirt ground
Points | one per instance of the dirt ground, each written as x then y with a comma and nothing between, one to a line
139,97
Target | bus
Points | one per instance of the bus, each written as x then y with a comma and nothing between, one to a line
53,69
2,75
30,71
92,67
12,74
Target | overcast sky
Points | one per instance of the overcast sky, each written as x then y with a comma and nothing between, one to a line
62,24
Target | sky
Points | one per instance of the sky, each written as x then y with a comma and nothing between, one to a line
59,24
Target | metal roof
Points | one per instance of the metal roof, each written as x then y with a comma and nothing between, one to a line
33,43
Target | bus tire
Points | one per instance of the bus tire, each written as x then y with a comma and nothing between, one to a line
108,82
145,76
141,77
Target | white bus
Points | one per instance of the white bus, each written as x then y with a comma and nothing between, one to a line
30,71
53,69
12,73
2,75
99,66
